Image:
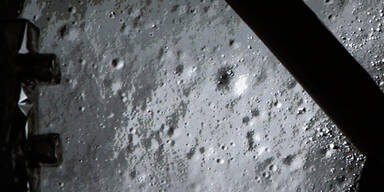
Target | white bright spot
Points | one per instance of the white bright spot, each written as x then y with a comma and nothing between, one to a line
111,115
116,86
73,35
210,152
261,150
119,64
241,84
257,137
190,71
252,122
297,163
329,153
154,145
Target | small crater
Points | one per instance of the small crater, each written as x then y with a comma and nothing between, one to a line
255,112
273,168
266,175
179,69
147,143
340,178
246,120
322,152
224,76
264,165
123,28
231,42
291,83
220,161
117,63
161,53
72,10
175,8
251,142
136,21
171,131
63,30
288,160
133,174
301,110
261,77
202,150
112,14
60,184
191,153
192,11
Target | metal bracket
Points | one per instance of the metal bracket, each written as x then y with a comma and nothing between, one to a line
22,152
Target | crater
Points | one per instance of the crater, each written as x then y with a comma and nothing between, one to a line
224,77
179,69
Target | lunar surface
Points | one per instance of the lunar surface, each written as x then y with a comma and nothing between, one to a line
180,95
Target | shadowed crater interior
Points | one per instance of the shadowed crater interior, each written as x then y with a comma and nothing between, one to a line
224,77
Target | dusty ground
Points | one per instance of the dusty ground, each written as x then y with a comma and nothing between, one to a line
180,95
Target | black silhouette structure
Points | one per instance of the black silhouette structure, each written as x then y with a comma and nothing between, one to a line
22,150
333,78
